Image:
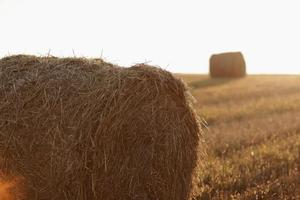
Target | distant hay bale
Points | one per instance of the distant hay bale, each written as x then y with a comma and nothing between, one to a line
228,65
84,129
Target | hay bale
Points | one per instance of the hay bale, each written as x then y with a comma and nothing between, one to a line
227,65
84,129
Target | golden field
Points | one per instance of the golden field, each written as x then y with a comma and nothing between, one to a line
253,136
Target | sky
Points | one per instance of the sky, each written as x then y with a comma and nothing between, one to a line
177,35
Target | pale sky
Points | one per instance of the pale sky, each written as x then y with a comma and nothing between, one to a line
177,35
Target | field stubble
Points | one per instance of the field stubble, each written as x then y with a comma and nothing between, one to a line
253,136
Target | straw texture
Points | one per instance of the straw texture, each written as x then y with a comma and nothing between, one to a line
84,129
229,65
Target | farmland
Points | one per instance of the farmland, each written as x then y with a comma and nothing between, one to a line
253,136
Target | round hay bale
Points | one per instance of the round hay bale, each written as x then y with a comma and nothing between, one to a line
79,129
227,65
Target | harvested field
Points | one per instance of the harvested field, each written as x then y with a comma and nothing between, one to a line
79,129
253,136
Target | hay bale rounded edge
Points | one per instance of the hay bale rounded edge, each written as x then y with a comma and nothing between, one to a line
79,129
227,65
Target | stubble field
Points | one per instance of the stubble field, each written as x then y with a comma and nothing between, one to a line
253,136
